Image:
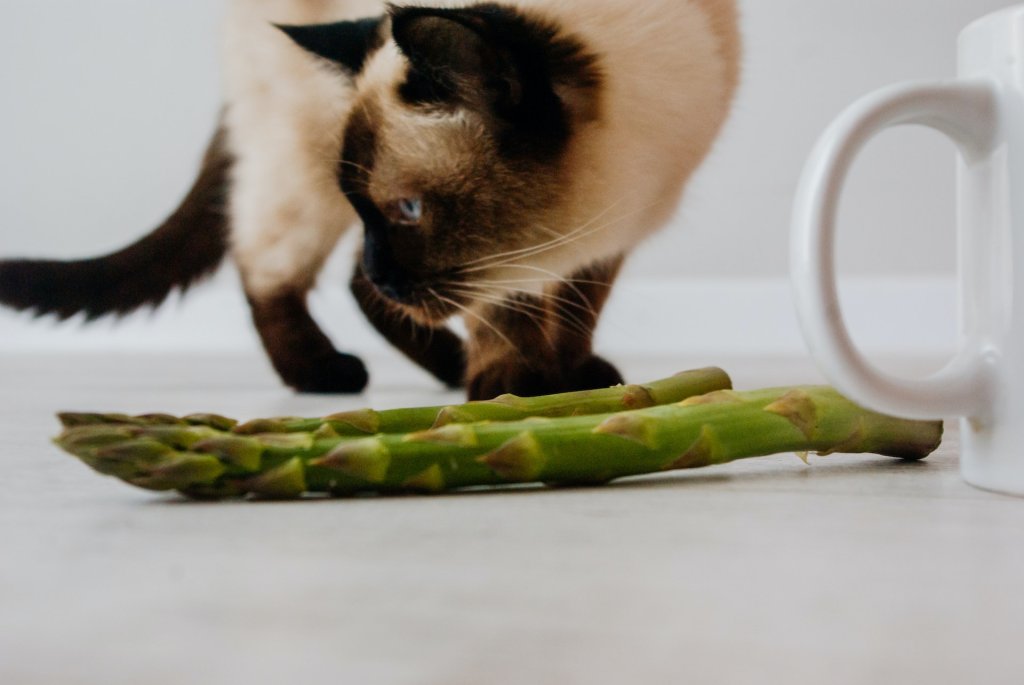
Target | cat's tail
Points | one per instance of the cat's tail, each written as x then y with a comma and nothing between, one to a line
188,246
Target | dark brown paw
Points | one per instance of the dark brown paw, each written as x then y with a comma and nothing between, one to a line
337,374
525,381
593,373
447,362
512,378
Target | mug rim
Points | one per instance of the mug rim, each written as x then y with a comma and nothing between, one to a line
999,16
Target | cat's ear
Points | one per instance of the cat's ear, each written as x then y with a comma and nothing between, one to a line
345,43
453,54
527,71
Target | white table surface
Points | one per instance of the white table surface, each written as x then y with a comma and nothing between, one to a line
853,570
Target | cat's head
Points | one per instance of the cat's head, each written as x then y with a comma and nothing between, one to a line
455,151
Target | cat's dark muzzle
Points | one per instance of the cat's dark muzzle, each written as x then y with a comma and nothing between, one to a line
393,282
398,274
400,292
422,301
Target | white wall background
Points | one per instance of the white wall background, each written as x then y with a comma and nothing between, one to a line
107,104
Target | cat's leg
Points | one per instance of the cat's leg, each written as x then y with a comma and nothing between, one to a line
577,305
284,118
511,349
301,354
277,286
287,216
538,345
438,350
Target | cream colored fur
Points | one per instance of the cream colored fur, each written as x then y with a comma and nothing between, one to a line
285,114
671,68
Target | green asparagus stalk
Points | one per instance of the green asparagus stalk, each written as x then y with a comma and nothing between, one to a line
365,422
201,458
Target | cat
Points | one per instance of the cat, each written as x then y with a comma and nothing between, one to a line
503,159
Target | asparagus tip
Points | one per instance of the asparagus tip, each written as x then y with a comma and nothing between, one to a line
259,426
181,471
243,452
214,421
84,439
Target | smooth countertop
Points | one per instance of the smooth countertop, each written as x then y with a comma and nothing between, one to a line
855,569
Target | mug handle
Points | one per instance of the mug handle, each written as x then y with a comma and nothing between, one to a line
966,111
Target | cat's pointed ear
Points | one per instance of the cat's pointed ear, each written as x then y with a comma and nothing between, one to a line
458,53
345,43
526,70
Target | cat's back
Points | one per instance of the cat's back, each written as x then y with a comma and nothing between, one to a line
627,31
631,35
273,90
723,16
670,71
257,56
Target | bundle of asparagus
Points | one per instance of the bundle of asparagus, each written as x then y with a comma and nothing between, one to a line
688,421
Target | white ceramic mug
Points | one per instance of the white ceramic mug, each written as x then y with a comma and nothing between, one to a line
983,113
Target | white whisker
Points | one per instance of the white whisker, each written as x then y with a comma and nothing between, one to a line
574,236
551,244
470,312
568,282
532,312
524,281
584,306
521,306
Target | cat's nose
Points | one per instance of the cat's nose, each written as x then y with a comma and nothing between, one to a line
399,290
395,287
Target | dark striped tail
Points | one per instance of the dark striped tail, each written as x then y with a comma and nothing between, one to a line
189,245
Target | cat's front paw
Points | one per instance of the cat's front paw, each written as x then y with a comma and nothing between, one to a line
335,374
512,377
592,373
445,359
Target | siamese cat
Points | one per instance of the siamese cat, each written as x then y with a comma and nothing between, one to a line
502,159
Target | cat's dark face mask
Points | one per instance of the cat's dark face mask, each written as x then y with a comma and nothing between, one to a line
454,151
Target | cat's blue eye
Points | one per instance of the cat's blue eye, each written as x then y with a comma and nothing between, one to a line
411,209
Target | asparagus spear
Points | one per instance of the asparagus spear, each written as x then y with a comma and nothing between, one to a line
201,459
505,408
365,422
